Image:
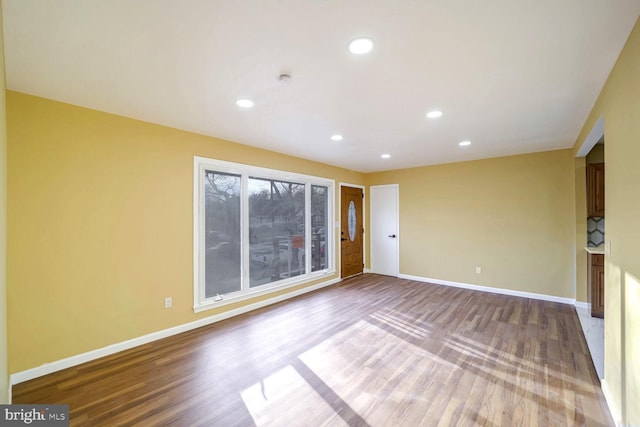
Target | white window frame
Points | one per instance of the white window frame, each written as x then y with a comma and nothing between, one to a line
200,164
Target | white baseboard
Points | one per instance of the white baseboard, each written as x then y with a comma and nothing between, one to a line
502,291
615,412
69,362
583,304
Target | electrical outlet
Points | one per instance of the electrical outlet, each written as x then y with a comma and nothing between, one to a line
478,270
168,302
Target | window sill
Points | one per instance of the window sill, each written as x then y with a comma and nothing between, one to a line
262,290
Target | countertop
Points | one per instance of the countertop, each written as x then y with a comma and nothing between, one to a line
599,250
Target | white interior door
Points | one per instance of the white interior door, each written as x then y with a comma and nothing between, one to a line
384,229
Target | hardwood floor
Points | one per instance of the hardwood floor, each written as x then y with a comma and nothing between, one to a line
372,350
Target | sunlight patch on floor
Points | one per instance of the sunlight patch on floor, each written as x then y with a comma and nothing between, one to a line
269,402
523,378
354,364
395,320
376,370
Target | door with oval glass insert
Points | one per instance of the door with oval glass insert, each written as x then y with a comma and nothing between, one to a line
351,250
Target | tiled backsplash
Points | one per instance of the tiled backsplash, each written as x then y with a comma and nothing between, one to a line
595,231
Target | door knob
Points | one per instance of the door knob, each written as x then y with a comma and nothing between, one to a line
342,239
392,236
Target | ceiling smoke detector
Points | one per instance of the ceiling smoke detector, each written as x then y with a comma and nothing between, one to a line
284,79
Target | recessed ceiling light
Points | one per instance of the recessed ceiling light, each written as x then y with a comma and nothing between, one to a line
244,103
385,156
434,114
336,137
360,46
464,143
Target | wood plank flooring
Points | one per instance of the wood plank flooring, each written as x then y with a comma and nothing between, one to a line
371,351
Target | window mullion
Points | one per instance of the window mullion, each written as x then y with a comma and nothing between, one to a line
244,212
307,228
201,233
331,227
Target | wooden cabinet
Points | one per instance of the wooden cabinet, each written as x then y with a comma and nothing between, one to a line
596,284
595,189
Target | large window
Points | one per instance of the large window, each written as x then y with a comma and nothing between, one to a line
257,230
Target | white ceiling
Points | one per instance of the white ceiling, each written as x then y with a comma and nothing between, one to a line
511,76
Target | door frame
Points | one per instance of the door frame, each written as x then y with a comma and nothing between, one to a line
339,226
371,214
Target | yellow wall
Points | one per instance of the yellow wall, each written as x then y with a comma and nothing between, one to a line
619,105
4,376
100,219
512,216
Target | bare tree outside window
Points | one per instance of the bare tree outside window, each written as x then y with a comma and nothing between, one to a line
319,227
223,256
276,229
